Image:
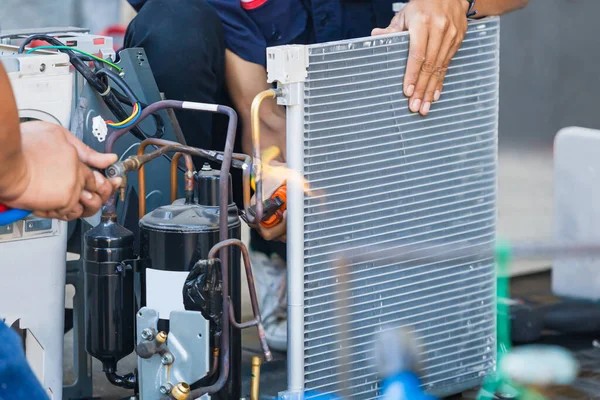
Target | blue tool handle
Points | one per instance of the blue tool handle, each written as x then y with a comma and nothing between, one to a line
13,215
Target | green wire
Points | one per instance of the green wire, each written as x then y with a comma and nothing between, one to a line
115,66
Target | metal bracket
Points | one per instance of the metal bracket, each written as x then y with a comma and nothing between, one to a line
287,64
189,343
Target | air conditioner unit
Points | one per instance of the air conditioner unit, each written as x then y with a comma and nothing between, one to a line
33,251
382,177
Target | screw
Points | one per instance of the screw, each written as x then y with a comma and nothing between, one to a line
148,334
167,359
166,388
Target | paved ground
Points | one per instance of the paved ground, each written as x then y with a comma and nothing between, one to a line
525,213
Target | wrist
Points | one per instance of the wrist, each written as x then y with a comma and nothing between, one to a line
469,7
14,181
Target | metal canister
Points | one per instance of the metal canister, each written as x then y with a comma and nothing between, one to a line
109,296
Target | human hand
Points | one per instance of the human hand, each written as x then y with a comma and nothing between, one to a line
273,177
437,29
57,181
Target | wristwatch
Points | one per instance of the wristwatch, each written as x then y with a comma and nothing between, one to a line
470,11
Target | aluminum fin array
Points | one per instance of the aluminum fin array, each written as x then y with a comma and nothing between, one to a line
382,177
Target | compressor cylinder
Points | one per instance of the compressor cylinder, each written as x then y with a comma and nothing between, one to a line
109,298
172,240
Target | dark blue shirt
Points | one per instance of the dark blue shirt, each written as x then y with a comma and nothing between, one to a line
253,25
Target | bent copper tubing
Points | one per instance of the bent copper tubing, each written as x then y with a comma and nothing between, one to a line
257,321
189,177
256,156
165,147
228,314
223,206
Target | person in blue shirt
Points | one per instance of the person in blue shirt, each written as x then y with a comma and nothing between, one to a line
214,51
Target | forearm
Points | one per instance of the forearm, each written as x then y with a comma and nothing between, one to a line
12,170
244,81
486,8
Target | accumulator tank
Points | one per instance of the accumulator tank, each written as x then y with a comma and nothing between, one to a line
172,240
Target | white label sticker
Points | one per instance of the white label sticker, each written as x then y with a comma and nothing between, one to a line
164,291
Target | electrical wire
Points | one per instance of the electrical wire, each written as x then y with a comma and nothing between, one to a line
102,60
129,121
96,82
113,99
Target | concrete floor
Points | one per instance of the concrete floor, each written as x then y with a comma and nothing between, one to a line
525,213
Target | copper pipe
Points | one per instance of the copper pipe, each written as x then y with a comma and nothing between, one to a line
256,162
136,163
142,172
174,163
215,363
165,147
189,175
255,378
257,321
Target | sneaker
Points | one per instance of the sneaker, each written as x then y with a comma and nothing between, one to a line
271,290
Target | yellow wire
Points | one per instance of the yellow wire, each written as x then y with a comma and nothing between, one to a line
132,116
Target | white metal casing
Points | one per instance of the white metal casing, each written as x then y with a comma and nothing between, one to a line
576,213
33,251
383,177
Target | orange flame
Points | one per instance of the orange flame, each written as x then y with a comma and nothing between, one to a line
274,168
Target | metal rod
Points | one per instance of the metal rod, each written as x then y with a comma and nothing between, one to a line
295,244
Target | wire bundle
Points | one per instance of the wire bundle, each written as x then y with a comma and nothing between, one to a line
99,79
132,119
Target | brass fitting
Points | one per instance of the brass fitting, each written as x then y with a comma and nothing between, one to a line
123,188
255,378
181,391
161,337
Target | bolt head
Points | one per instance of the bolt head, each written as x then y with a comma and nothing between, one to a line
167,359
165,389
147,334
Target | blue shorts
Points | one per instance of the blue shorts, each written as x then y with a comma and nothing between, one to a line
17,381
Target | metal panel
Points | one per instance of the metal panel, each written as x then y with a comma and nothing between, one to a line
383,177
